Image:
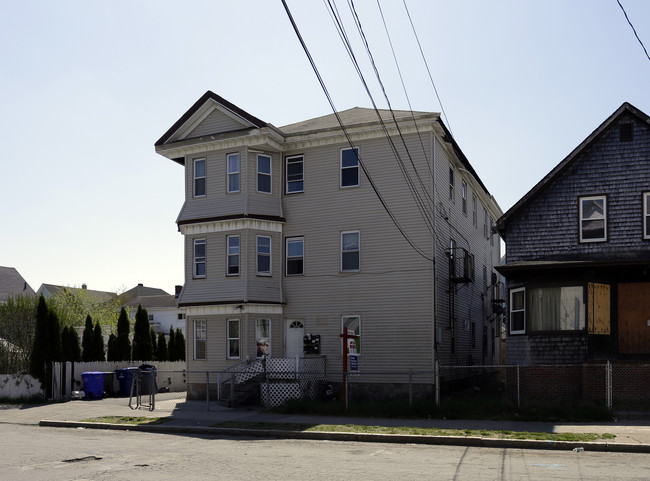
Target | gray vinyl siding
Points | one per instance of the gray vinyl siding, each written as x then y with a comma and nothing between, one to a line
264,288
216,122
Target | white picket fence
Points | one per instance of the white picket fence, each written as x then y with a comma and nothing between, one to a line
67,376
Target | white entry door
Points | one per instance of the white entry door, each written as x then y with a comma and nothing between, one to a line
295,334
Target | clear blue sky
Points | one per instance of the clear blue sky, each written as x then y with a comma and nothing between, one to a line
89,86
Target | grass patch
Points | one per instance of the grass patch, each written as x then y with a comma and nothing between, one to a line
351,428
135,420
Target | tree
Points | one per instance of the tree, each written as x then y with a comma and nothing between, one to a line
111,354
122,342
98,343
55,352
72,304
17,328
87,341
142,349
71,350
162,347
154,345
171,345
180,345
41,345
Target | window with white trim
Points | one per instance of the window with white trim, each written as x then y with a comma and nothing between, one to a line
646,215
474,210
233,338
263,255
263,337
295,249
199,259
349,167
295,174
232,160
232,268
518,310
353,323
199,177
350,251
485,223
200,336
464,194
451,183
264,173
593,218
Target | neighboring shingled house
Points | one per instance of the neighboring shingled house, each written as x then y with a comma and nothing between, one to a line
578,252
12,284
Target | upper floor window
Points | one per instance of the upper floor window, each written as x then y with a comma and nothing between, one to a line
350,251
474,210
263,255
199,258
646,215
593,219
200,331
490,231
485,223
451,183
518,311
233,172
233,255
295,174
349,167
264,173
199,177
295,256
464,193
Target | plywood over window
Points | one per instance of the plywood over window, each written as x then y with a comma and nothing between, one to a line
598,304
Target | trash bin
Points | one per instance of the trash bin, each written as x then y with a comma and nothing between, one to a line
109,381
125,379
93,384
148,382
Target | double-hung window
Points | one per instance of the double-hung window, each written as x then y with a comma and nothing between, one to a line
264,173
518,310
233,338
295,174
233,255
199,177
263,337
263,255
646,215
350,251
593,219
295,256
349,167
451,184
199,258
474,210
485,223
353,324
200,331
464,193
232,161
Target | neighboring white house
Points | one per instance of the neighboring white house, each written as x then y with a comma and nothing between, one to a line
384,229
163,312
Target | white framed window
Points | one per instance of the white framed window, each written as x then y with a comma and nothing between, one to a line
232,161
350,167
199,259
451,183
518,310
490,231
295,174
264,173
485,223
233,338
593,218
646,215
263,255
199,177
200,337
353,323
232,268
464,195
295,249
474,210
350,251
263,337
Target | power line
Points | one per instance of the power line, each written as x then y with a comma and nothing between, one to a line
633,29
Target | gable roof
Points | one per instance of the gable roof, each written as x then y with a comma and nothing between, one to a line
12,283
194,109
100,295
141,291
154,302
624,109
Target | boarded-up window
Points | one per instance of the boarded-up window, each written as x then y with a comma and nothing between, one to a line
599,308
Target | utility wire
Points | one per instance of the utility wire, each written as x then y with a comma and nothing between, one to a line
349,139
633,29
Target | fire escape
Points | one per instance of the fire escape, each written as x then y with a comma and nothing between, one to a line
461,271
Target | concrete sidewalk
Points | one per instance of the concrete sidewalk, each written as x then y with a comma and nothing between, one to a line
192,417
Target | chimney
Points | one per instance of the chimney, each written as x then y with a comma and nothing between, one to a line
140,284
178,290
84,286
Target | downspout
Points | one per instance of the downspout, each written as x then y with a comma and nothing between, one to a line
434,349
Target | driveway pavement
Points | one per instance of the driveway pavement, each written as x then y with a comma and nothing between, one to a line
193,417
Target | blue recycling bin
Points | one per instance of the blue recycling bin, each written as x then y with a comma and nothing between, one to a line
93,384
125,379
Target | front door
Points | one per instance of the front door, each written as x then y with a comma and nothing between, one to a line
295,334
634,318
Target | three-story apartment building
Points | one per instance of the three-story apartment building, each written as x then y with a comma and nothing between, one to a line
380,226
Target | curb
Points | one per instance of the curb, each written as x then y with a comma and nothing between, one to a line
468,441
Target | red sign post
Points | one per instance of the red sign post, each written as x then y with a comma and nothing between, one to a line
346,337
